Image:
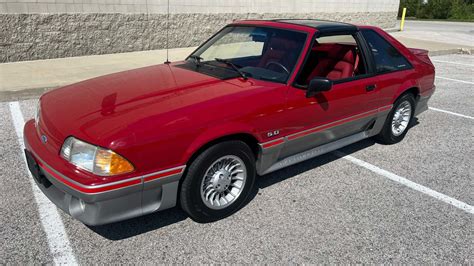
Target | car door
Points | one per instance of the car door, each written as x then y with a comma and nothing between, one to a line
349,107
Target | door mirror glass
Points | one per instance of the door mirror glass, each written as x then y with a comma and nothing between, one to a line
318,85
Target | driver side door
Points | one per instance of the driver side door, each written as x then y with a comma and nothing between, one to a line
348,108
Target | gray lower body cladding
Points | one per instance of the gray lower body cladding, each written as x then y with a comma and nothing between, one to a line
115,205
149,193
292,151
422,104
295,150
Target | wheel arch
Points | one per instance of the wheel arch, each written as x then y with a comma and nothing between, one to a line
413,90
213,136
246,137
409,86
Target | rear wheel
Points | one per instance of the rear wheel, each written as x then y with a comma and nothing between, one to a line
398,121
218,181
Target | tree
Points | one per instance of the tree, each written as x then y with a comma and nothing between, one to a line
411,5
462,10
438,9
435,9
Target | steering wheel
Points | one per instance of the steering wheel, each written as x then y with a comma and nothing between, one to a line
277,64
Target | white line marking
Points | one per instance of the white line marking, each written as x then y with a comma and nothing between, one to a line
53,226
457,80
451,113
420,188
455,63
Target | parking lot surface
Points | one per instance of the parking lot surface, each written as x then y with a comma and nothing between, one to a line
332,209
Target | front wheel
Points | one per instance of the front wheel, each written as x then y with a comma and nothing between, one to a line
218,181
398,121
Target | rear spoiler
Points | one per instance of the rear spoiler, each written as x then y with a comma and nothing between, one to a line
422,54
417,51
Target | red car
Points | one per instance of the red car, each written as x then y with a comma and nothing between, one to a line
256,97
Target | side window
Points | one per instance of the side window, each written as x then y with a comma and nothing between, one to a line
336,57
387,58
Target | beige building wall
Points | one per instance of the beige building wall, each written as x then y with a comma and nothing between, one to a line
195,6
39,29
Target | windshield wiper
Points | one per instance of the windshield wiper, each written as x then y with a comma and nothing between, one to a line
227,62
196,58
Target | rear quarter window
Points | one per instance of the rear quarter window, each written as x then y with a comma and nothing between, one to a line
387,58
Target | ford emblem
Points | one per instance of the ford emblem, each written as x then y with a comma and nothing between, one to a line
44,139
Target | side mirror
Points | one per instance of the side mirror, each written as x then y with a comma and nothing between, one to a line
318,85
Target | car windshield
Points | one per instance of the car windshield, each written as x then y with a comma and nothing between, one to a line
257,52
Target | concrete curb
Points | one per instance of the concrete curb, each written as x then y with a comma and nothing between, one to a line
8,96
452,51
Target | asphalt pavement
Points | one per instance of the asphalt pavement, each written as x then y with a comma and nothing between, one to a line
355,209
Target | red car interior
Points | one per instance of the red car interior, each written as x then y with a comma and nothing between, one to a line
335,61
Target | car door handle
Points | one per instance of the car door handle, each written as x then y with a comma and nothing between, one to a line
370,87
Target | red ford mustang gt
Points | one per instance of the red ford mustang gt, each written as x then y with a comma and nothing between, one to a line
256,97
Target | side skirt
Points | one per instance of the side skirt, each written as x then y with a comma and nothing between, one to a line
297,158
288,150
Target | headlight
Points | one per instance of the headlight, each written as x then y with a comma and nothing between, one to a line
94,159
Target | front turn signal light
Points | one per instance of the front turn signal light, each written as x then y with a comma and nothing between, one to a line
108,162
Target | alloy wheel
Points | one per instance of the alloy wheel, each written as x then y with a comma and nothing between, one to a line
223,182
401,118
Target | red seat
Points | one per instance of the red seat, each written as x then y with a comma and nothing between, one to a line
343,68
337,64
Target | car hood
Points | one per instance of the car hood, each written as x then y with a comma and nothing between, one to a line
101,109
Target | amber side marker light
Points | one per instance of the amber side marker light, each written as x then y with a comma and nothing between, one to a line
110,163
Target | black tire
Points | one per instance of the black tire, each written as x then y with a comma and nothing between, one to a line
387,136
190,193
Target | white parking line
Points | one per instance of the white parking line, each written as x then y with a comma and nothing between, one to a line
451,113
51,221
454,63
456,80
420,188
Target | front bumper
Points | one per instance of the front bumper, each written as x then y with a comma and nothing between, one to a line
106,203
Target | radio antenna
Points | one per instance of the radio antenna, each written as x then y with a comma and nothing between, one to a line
167,33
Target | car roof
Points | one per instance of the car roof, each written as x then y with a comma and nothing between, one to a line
322,26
